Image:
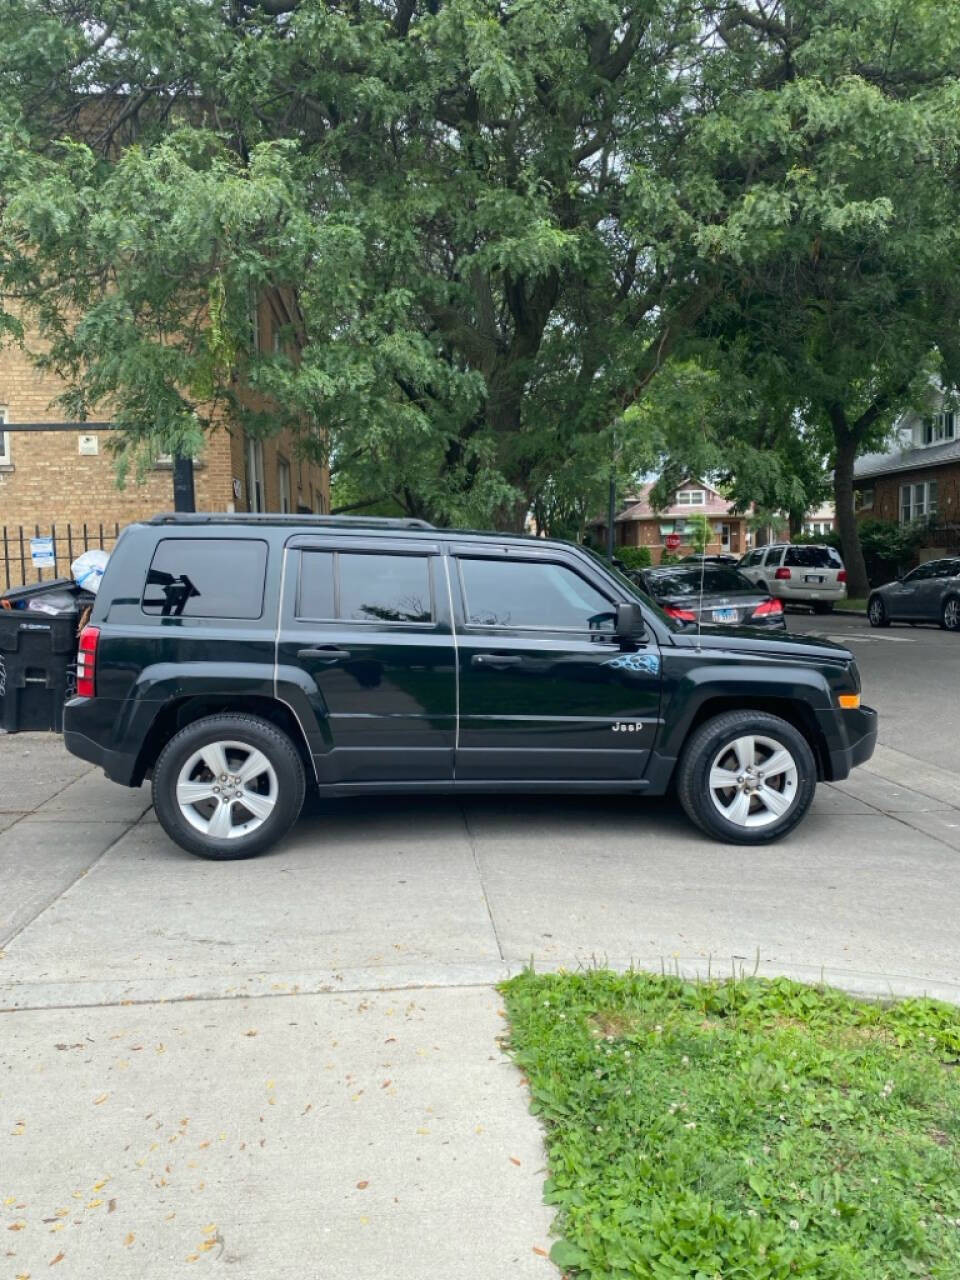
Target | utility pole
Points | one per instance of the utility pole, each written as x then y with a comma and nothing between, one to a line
184,498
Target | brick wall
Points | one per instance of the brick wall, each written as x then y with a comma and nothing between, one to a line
45,479
886,493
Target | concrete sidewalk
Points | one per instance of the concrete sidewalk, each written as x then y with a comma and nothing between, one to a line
292,1064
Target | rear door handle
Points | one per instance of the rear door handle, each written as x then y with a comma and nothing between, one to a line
496,660
324,656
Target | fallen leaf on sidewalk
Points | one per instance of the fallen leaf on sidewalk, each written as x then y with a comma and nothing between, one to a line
111,1206
362,1186
59,1258
386,1084
129,1239
514,1160
103,1097
542,1252
16,1226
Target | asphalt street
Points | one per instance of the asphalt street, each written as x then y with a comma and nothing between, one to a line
910,674
292,1064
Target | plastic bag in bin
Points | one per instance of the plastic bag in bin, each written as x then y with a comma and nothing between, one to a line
88,569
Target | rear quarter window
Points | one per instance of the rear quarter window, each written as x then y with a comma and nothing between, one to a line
206,578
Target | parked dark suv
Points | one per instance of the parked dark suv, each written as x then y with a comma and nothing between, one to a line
235,659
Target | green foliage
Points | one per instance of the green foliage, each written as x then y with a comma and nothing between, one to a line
756,1128
635,557
889,548
698,532
668,557
530,242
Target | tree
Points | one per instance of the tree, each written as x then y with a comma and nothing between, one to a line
502,220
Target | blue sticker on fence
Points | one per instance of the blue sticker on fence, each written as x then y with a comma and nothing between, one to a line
648,662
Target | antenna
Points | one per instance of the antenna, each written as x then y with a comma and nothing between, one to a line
703,562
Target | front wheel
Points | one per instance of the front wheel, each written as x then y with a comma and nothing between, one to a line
228,786
877,613
746,777
950,615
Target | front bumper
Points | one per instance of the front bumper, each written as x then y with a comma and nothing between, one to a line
850,737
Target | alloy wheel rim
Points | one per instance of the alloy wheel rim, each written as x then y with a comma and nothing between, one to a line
876,611
951,614
753,781
226,790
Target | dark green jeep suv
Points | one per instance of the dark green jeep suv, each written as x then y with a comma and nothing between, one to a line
237,659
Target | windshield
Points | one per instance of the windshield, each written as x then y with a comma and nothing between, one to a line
813,558
686,582
633,590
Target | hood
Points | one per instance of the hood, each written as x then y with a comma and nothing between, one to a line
766,643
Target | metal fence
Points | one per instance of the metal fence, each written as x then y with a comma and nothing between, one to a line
69,540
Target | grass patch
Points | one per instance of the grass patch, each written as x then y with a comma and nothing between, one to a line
757,1130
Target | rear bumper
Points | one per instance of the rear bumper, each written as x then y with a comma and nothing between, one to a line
851,737
808,595
82,714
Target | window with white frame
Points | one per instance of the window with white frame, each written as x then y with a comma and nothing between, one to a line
918,501
863,499
940,427
5,458
691,498
283,485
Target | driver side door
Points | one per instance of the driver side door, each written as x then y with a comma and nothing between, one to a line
545,691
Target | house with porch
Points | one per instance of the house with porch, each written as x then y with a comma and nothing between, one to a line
639,525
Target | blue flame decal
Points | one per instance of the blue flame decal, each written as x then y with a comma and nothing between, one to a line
647,662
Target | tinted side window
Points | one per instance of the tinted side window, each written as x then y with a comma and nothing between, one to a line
384,588
355,587
774,556
522,593
206,578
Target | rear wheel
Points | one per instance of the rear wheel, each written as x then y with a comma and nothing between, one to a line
877,613
228,786
746,777
950,615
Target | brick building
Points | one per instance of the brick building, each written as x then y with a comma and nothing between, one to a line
919,479
638,525
65,475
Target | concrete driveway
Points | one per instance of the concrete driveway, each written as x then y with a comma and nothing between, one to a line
292,1063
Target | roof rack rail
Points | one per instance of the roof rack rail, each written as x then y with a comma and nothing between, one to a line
264,517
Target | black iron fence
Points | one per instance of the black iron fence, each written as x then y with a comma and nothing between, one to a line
17,568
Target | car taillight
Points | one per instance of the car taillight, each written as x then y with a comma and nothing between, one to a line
842,575
768,606
682,615
87,662
782,574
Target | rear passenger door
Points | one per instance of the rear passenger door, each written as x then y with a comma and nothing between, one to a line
545,691
366,633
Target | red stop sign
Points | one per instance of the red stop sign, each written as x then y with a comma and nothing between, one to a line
672,541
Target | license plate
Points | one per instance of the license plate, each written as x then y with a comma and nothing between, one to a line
814,577
724,615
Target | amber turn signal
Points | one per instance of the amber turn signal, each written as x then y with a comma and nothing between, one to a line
849,701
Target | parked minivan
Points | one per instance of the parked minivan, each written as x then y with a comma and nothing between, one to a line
802,573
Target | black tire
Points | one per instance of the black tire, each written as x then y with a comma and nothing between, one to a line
701,753
950,614
252,732
823,606
877,614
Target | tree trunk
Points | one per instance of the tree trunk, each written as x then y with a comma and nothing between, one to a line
857,585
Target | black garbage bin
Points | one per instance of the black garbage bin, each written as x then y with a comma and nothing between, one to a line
37,663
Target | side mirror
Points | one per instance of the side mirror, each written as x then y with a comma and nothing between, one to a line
629,622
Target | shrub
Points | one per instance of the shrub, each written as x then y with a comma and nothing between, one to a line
635,557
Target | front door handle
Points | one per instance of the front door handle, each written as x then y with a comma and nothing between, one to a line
496,660
324,656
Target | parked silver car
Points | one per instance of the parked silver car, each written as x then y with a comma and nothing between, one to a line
801,574
931,593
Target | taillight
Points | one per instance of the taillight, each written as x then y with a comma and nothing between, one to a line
87,662
768,607
782,574
842,575
682,615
